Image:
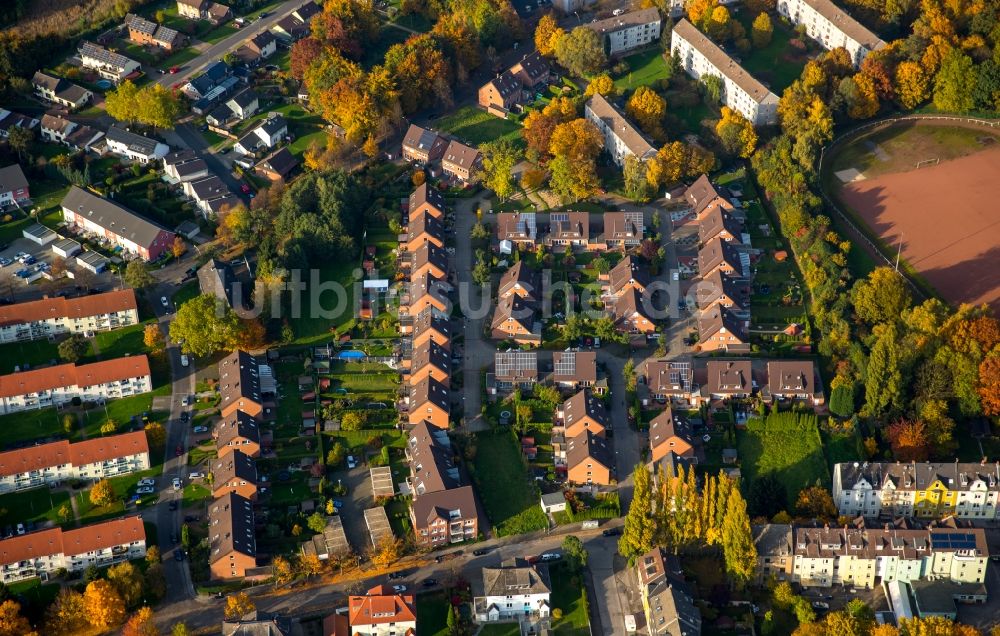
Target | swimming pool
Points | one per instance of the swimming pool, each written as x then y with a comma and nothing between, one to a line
103,84
351,355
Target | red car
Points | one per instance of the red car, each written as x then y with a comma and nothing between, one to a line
174,69
244,188
179,450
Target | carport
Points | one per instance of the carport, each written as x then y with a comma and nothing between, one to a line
382,482
378,524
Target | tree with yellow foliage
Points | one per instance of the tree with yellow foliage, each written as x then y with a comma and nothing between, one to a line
282,569
699,10
859,95
547,33
718,24
736,133
601,85
387,552
762,30
309,564
67,614
675,161
105,608
102,494
578,139
11,621
539,125
152,337
238,605
141,624
127,581
647,109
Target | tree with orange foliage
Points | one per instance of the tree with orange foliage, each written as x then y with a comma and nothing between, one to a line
547,33
141,624
251,334
909,440
539,125
105,608
238,605
698,11
11,621
815,502
989,383
302,55
647,109
978,335
912,84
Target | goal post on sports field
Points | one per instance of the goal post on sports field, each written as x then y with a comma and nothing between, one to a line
929,162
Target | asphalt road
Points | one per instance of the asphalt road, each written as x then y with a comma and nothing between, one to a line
189,135
220,48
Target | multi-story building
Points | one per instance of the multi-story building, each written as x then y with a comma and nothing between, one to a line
831,26
589,460
422,145
234,472
576,370
743,93
113,67
520,228
60,384
429,400
68,133
232,544
520,280
430,360
623,230
143,31
13,185
775,556
380,612
513,370
265,136
425,228
719,329
47,551
669,379
621,138
426,200
48,317
239,385
500,94
667,600
793,381
623,33
60,91
51,464
886,490
517,590
866,557
631,313
88,213
670,433
460,161
582,412
516,319
430,327
238,431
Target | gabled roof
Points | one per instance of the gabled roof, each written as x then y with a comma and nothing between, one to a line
574,366
795,377
620,126
56,124
589,447
628,305
702,192
273,125
140,24
715,221
245,97
718,284
506,84
429,390
729,377
668,376
721,61
280,162
421,138
626,271
718,319
570,226
426,194
432,468
431,254
665,426
458,502
428,320
99,449
515,366
430,354
425,284
208,187
135,143
520,276
72,308
516,577
262,40
425,224
234,465
63,88
306,11
12,178
847,25
716,252
231,527
584,404
84,375
461,155
381,606
239,379
623,226
239,424
533,65
104,56
78,541
517,226
516,308
626,21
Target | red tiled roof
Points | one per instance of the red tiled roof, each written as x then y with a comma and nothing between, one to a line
70,542
379,606
62,452
82,307
62,375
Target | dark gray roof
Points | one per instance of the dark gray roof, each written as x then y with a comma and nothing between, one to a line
134,142
516,577
431,465
274,124
244,98
231,527
12,178
209,187
235,464
239,424
239,378
217,278
281,162
89,49
587,446
112,216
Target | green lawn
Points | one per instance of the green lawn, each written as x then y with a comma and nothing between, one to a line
31,353
474,126
644,69
777,65
193,493
569,596
363,376
500,629
312,330
506,488
30,425
187,291
37,504
179,58
220,33
432,614
124,488
787,446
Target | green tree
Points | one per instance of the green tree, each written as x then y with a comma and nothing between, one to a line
499,159
336,455
573,180
452,620
575,553
580,52
881,297
481,271
73,348
637,536
20,139
762,31
180,629
738,548
186,536
955,83
128,582
158,106
842,399
137,275
206,326
316,522
354,421
636,185
628,374
884,379
712,86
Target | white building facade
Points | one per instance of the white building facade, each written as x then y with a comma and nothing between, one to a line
624,33
58,385
50,317
621,138
831,26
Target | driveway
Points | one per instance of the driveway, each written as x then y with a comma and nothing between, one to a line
358,499
188,136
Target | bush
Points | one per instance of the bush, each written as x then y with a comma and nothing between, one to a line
557,614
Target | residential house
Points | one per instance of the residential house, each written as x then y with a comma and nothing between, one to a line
295,25
210,194
134,147
232,544
520,280
623,33
234,472
429,326
60,384
832,27
516,319
884,490
670,433
237,431
532,71
425,228
239,385
13,185
719,255
703,195
669,379
426,292
460,161
515,370
88,213
278,165
10,120
621,138
699,56
623,230
865,557
720,330
60,91
628,274
570,229
589,460
113,67
90,460
667,601
50,317
258,623
717,222
232,284
423,146
148,33
727,379
514,591
184,165
70,134
431,259
775,554
520,228
723,290
241,106
576,370
209,79
258,48
204,10
426,200
46,552
446,517
430,360
501,94
429,400
268,134
381,612
431,459
793,380
631,313
581,413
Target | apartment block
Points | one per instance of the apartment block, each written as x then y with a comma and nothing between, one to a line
85,315
621,138
58,385
831,26
623,33
743,93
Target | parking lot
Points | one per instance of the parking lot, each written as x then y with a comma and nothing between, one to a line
23,260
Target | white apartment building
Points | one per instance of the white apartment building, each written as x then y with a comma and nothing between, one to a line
44,552
516,590
623,33
927,490
621,138
55,386
91,460
111,66
85,315
830,25
699,56
864,557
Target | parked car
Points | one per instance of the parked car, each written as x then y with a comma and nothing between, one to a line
4,261
200,429
179,450
179,555
148,481
185,416
397,575
430,582
174,69
196,475
551,556
338,504
185,361
398,589
351,463
612,532
176,482
480,551
164,301
172,505
145,490
20,529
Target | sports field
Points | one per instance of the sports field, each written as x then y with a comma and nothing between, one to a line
942,213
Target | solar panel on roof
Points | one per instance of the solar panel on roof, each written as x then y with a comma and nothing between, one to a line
566,365
559,217
635,218
511,362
